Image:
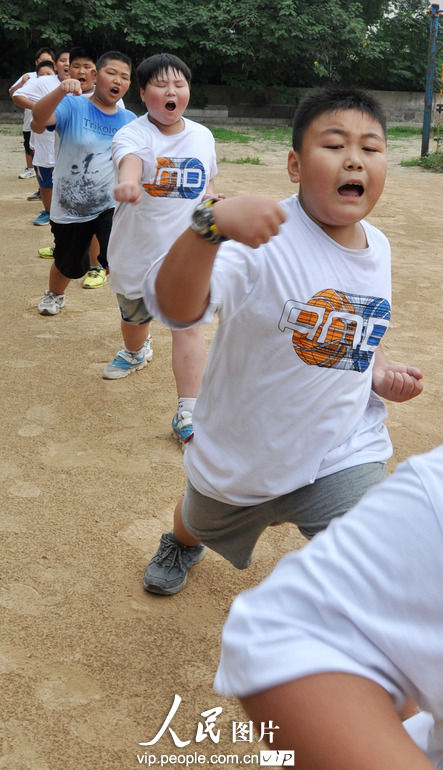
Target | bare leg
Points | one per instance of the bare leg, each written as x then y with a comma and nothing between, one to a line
134,336
46,197
180,532
57,281
188,360
94,251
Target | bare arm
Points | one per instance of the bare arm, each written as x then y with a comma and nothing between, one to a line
336,721
395,382
183,280
129,178
43,110
23,101
18,85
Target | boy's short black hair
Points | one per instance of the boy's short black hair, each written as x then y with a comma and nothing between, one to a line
82,52
45,63
44,49
330,99
59,53
157,64
117,55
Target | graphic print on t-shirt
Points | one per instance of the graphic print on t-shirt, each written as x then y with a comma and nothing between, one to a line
336,329
79,192
177,178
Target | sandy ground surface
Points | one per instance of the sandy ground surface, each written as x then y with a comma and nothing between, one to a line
90,663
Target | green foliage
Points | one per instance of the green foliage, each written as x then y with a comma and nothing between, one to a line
253,44
403,132
226,135
255,161
431,162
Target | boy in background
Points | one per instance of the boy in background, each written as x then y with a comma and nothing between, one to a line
166,164
296,361
82,203
43,54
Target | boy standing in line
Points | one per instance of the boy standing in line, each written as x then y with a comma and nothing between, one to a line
42,54
82,203
166,164
295,361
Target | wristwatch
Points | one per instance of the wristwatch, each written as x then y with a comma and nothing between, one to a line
203,221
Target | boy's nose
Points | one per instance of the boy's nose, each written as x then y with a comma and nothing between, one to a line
354,163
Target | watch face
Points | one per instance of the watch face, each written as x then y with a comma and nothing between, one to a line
203,222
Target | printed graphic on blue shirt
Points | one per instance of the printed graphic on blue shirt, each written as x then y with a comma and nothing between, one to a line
336,329
177,178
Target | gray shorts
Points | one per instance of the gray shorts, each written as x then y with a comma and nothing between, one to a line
233,531
133,311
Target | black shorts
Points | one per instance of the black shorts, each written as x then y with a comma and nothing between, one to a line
72,241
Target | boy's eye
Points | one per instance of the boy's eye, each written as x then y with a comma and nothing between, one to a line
334,146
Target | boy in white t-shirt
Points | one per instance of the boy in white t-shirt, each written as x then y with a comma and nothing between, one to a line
295,364
333,642
43,54
165,165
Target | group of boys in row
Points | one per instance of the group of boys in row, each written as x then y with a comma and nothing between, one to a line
289,424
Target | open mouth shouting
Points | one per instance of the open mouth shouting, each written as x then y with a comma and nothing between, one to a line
351,190
170,106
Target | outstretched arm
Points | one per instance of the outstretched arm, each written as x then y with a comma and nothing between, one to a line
395,382
129,178
182,284
336,721
43,110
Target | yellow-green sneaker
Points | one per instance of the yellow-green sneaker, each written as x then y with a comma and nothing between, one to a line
46,253
95,277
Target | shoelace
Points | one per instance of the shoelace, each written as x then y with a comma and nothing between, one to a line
172,552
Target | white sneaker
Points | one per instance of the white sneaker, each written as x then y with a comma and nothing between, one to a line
28,173
51,303
147,348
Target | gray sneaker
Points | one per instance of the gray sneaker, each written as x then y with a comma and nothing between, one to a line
167,572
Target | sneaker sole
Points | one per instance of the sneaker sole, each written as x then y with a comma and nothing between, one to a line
154,589
120,373
40,224
48,312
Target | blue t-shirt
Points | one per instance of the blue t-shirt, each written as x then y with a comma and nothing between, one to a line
84,174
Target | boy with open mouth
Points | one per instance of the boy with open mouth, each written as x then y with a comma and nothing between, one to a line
165,165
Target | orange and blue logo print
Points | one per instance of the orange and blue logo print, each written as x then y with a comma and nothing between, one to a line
336,329
177,178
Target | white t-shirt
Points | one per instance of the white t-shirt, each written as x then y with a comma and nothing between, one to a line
286,394
44,143
27,113
346,602
175,173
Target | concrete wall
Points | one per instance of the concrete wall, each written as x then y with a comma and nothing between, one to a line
228,105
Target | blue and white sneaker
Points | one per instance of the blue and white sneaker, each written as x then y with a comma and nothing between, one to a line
182,427
125,362
42,219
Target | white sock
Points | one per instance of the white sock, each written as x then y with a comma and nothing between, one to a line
186,405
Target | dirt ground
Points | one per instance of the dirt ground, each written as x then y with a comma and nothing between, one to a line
89,662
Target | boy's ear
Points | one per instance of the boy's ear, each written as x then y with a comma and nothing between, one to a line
142,93
293,166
